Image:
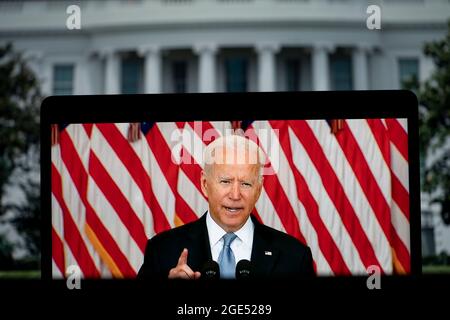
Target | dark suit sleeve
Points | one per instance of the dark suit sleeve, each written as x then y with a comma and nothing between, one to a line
146,267
150,268
306,264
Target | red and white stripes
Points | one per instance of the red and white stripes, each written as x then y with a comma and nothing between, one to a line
345,194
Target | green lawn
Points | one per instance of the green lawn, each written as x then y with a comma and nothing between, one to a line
27,274
433,269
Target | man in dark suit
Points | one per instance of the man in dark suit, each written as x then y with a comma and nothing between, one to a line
227,232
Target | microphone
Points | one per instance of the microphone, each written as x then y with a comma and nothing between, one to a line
210,270
244,269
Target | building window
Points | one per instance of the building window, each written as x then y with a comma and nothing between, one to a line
341,72
293,74
179,76
236,74
408,70
132,76
63,75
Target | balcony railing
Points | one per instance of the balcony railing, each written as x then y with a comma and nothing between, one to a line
18,5
31,15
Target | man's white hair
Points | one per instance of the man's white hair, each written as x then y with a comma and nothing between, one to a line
248,152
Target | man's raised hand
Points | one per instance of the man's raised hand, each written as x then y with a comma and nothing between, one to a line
182,270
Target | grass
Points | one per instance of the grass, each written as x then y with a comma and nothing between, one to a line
435,269
22,274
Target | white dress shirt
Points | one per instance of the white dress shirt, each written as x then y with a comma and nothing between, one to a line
241,246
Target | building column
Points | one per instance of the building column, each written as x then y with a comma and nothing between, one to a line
360,72
152,68
85,78
112,71
266,66
320,66
207,67
82,78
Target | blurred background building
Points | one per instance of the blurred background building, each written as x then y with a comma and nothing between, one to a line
178,46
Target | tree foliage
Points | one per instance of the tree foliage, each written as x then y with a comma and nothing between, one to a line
434,119
19,146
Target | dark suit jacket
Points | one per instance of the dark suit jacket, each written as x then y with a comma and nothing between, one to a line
289,258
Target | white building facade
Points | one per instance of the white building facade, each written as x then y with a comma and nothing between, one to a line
223,45
176,46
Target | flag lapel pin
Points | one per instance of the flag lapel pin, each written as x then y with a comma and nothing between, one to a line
268,253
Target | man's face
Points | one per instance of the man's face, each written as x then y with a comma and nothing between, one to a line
232,190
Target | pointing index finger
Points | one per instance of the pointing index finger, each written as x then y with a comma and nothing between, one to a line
183,257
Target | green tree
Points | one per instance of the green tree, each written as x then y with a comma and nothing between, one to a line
19,146
434,120
6,257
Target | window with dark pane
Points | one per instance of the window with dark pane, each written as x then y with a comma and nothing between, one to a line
132,75
179,76
408,69
341,72
236,74
293,74
63,75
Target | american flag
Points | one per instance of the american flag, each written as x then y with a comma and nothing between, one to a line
339,186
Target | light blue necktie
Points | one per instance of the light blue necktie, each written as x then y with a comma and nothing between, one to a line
227,262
